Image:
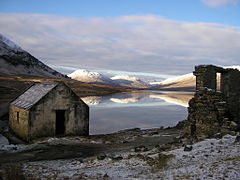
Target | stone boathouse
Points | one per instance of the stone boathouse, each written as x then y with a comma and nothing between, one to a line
215,107
47,110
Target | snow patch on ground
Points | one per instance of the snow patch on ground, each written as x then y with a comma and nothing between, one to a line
3,140
90,168
13,148
209,159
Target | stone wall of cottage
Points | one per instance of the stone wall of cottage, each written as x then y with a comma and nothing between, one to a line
43,114
18,122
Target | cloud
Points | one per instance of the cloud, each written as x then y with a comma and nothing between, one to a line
215,3
127,43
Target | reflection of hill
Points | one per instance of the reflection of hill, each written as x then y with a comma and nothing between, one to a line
174,98
92,100
126,100
139,98
121,98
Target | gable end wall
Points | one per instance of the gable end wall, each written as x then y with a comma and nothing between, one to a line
43,113
18,122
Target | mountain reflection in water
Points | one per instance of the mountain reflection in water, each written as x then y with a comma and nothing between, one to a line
143,110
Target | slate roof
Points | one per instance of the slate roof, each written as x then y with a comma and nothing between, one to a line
33,95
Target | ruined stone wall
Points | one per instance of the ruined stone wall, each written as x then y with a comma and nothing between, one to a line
205,77
231,90
212,111
208,114
18,121
43,114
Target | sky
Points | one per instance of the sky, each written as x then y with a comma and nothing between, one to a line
167,37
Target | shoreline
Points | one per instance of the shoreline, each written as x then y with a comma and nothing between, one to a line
215,158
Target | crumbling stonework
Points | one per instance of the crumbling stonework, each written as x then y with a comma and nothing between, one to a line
206,76
212,111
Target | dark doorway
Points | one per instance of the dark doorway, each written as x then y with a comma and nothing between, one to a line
60,122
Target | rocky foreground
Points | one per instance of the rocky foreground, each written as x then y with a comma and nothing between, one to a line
133,154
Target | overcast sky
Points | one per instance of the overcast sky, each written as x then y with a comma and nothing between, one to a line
151,36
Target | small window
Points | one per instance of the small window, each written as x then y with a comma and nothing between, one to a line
17,116
218,82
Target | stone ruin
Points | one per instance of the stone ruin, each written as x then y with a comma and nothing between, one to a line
215,107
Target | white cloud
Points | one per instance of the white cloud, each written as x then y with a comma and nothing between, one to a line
128,43
215,3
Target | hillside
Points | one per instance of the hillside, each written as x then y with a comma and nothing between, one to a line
11,87
181,83
19,70
185,82
15,61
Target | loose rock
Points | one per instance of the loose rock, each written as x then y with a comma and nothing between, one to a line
140,149
101,157
188,148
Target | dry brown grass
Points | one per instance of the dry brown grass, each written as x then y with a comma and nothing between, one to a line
12,172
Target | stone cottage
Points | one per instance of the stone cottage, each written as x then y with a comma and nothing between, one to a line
215,107
48,109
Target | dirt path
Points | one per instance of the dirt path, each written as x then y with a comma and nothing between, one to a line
46,151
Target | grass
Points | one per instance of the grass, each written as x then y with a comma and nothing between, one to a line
156,163
12,172
160,162
233,159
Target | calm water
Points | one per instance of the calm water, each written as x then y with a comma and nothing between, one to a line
143,110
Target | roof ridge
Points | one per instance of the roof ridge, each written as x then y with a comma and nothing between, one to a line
33,94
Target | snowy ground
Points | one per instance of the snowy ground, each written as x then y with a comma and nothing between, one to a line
209,159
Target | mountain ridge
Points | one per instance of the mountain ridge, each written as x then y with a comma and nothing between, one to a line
185,82
123,81
16,61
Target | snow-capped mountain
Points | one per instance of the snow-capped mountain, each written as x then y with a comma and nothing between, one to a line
10,43
233,67
125,77
130,81
90,77
118,81
185,82
182,78
15,61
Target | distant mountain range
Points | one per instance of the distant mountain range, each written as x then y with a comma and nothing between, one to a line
184,82
18,62
118,81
